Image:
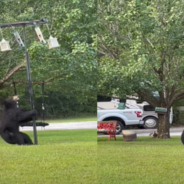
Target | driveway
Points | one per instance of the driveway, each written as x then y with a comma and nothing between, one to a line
147,132
93,125
65,126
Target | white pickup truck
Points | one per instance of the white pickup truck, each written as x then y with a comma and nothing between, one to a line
124,117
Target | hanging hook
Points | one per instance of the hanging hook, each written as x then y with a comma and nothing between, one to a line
48,29
1,33
13,28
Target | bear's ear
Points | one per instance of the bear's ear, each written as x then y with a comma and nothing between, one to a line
6,104
9,104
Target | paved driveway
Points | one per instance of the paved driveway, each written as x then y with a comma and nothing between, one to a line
65,126
147,132
93,125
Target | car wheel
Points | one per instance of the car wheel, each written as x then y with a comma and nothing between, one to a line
150,122
119,127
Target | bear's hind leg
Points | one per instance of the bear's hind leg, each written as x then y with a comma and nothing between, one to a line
27,139
8,137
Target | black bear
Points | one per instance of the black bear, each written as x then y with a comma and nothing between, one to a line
12,116
182,137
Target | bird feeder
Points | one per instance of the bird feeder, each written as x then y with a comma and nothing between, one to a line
18,39
4,45
39,34
52,42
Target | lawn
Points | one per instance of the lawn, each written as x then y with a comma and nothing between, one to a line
145,161
78,157
65,157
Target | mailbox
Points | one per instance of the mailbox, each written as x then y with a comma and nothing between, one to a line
160,110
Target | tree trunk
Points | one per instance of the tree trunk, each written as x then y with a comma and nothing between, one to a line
163,129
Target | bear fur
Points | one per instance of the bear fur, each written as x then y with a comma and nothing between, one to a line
12,117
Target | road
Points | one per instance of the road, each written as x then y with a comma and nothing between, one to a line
93,124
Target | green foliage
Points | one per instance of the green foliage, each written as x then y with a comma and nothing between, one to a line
140,51
70,67
63,105
140,45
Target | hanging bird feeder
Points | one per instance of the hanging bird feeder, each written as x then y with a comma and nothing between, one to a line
52,42
40,36
18,39
4,45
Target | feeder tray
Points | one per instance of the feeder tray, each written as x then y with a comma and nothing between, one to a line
52,42
4,45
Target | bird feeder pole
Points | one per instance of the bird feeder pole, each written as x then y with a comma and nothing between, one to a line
24,24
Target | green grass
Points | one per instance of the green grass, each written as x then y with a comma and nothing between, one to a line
78,157
73,119
145,161
60,157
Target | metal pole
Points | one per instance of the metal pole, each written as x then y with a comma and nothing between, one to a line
30,87
43,103
23,24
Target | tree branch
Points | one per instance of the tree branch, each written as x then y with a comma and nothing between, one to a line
175,97
3,82
40,82
15,69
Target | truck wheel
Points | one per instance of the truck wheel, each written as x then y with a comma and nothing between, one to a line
119,127
150,122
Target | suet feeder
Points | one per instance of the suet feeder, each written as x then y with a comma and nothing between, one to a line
4,45
52,42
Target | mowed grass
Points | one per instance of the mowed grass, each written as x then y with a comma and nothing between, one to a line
78,156
145,161
61,157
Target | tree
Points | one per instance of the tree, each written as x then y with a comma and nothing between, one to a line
74,62
151,56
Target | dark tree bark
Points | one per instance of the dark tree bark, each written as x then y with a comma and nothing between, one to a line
163,129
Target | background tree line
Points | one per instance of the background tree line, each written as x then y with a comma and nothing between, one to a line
140,52
67,71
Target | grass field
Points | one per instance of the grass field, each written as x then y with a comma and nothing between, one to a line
145,161
61,157
79,157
